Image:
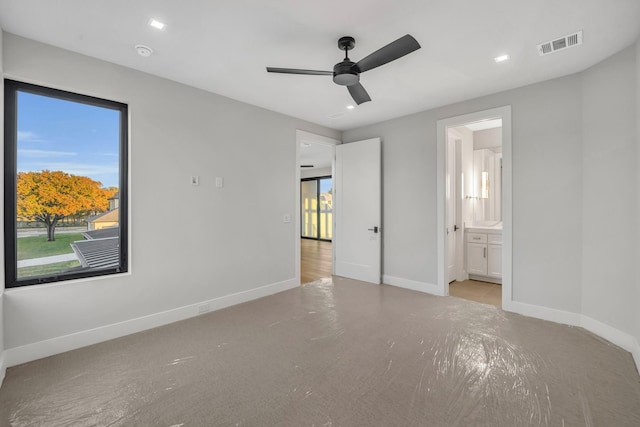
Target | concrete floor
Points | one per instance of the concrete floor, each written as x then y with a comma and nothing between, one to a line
335,353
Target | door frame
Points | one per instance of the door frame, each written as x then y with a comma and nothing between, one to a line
312,138
503,113
459,253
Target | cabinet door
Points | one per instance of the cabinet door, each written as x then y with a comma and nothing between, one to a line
494,261
477,258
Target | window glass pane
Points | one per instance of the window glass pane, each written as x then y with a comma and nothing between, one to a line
326,208
67,179
309,208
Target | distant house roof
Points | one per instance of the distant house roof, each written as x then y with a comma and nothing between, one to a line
102,233
115,196
109,216
98,253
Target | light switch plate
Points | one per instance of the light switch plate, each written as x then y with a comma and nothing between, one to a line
195,180
286,218
219,182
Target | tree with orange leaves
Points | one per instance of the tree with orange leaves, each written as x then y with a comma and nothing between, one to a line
49,196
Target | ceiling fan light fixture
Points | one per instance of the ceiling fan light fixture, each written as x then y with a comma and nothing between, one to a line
347,72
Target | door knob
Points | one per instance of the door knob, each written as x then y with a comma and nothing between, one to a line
374,229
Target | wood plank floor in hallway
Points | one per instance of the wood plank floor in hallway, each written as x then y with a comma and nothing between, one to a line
315,260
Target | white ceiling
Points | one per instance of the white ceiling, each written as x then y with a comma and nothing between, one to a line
223,46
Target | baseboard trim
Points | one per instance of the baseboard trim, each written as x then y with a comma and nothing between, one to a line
3,367
27,353
544,313
413,285
622,339
616,336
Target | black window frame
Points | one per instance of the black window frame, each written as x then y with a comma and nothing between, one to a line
11,89
317,179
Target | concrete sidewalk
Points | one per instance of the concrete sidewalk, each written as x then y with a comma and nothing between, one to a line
47,260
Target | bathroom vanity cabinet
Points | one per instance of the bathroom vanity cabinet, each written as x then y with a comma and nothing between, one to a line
484,254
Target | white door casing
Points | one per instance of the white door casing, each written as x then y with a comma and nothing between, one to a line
451,201
358,210
306,137
442,125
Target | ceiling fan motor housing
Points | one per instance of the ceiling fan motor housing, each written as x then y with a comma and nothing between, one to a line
345,73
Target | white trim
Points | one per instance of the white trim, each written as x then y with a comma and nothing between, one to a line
621,339
616,336
3,366
26,353
311,138
507,205
413,285
544,313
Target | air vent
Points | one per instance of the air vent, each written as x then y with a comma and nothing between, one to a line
571,40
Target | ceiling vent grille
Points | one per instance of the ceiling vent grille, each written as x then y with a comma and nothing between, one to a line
565,42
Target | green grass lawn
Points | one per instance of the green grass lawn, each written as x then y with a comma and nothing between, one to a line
38,247
46,270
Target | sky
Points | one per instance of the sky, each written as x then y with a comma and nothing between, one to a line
325,185
79,139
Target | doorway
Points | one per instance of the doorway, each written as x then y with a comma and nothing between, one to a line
474,206
314,200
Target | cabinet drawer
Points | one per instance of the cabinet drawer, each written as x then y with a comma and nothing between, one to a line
496,239
476,238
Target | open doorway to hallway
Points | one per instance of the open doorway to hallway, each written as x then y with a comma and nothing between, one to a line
316,210
316,222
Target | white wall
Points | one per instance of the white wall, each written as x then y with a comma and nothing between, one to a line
610,191
547,242
637,299
188,244
314,173
487,138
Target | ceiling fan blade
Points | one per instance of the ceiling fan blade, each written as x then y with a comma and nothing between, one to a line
297,71
358,93
394,50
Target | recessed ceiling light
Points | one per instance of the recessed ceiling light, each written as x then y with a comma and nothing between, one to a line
350,107
501,58
156,24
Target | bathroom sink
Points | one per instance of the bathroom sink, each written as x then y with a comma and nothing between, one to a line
484,225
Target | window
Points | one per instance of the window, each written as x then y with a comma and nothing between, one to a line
65,195
317,208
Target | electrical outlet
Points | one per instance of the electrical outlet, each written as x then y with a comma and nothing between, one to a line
203,308
286,218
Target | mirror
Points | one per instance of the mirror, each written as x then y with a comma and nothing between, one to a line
487,175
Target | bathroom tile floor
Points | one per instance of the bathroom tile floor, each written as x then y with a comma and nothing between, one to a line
474,290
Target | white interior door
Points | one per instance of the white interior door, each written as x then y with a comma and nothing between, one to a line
358,196
451,201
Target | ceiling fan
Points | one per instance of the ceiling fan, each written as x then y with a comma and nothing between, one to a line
347,72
